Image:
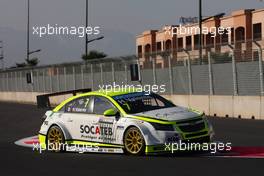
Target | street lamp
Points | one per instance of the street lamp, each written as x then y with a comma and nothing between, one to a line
98,38
36,51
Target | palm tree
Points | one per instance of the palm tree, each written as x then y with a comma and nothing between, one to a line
32,62
94,55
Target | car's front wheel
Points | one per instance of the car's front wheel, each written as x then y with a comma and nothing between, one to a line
55,139
134,142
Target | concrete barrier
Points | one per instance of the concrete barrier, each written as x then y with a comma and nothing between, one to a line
221,106
246,107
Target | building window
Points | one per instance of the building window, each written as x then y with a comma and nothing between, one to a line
209,40
232,36
240,34
139,51
224,38
168,45
189,43
257,31
159,46
147,48
180,43
196,42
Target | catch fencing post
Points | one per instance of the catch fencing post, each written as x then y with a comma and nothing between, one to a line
82,75
153,58
170,74
1,83
211,85
126,78
234,74
37,75
260,68
65,78
16,87
113,72
50,79
21,80
189,71
32,81
74,79
261,72
7,82
44,80
235,89
58,79
101,71
92,77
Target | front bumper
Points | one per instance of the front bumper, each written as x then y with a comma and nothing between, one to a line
170,147
42,141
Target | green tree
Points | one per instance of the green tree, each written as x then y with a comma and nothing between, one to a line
94,55
20,65
32,62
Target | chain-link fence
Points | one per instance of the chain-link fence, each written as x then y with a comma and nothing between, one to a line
182,73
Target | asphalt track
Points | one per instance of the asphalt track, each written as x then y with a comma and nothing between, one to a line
19,121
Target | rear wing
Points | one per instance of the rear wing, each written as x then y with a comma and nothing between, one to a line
43,101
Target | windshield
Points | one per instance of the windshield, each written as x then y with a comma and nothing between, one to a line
139,102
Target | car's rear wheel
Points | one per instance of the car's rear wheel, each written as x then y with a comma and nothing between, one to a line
55,139
134,142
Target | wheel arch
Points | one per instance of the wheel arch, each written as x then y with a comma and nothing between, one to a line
64,130
142,129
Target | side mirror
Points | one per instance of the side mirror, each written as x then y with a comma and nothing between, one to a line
110,112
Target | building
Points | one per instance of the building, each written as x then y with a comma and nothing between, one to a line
245,29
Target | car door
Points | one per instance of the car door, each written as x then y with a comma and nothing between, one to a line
79,119
107,125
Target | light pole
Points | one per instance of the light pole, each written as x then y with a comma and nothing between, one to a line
2,54
86,25
28,6
28,50
200,35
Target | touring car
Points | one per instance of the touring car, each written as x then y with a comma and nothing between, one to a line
122,121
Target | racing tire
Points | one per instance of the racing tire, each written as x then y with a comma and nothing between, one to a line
55,140
134,143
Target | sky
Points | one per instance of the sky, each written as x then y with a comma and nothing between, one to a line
120,21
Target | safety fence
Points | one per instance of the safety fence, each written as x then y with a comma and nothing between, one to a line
187,73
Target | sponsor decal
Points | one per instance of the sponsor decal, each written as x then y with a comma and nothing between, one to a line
96,130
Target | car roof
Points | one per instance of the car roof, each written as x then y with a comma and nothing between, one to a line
110,92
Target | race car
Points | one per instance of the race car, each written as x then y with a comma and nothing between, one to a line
124,121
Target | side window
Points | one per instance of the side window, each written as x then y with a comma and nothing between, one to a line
101,104
80,105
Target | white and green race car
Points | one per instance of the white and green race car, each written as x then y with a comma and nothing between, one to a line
121,122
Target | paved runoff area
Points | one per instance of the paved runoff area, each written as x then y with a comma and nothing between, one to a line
20,123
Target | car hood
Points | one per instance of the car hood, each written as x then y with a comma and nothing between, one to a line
170,114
